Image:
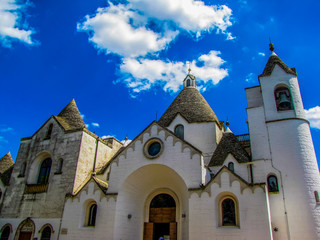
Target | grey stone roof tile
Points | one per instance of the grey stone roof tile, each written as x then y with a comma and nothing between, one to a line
192,106
70,117
6,162
228,144
275,60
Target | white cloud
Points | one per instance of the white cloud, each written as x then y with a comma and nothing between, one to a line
261,54
142,74
107,136
2,139
87,125
142,27
95,124
117,29
7,129
10,23
193,16
313,115
250,77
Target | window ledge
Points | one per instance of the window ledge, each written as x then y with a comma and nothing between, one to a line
275,192
57,173
229,227
21,176
36,188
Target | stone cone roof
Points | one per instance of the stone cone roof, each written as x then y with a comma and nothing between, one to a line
6,167
192,106
273,60
6,162
70,117
229,144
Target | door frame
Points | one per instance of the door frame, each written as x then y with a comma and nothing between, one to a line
178,207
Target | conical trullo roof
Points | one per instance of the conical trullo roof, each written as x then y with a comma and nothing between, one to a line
70,117
275,60
6,162
192,106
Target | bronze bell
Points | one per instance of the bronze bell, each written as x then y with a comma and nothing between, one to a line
284,101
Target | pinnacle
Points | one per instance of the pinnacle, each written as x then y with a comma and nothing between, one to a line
72,115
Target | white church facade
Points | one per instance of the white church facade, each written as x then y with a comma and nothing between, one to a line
185,176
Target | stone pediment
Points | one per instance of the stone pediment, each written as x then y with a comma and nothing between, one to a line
148,130
232,177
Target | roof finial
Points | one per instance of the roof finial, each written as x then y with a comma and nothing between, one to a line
189,69
271,45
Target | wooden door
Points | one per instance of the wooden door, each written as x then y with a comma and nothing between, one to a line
25,235
148,231
173,231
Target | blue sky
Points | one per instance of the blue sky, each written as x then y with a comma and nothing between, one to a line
124,61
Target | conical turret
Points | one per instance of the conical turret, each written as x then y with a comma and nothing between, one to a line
70,117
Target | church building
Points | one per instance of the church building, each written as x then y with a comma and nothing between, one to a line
184,177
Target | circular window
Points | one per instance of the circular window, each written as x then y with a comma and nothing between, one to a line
153,148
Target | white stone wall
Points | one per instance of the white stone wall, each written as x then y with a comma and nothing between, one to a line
135,177
281,145
268,85
252,215
241,169
293,155
203,136
73,223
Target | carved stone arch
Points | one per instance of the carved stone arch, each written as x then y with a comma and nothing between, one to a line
34,168
219,206
26,227
87,214
6,225
6,231
46,225
152,195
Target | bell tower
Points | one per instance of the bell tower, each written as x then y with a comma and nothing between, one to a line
281,141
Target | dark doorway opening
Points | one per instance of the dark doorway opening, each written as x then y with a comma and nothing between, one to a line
160,229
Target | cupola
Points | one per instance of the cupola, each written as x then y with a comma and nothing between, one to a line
190,80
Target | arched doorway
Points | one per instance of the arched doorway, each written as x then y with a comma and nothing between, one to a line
25,230
162,218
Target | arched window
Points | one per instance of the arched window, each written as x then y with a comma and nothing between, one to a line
5,233
228,210
316,195
231,166
46,233
49,131
92,215
283,99
188,83
273,184
22,169
179,131
59,167
44,171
